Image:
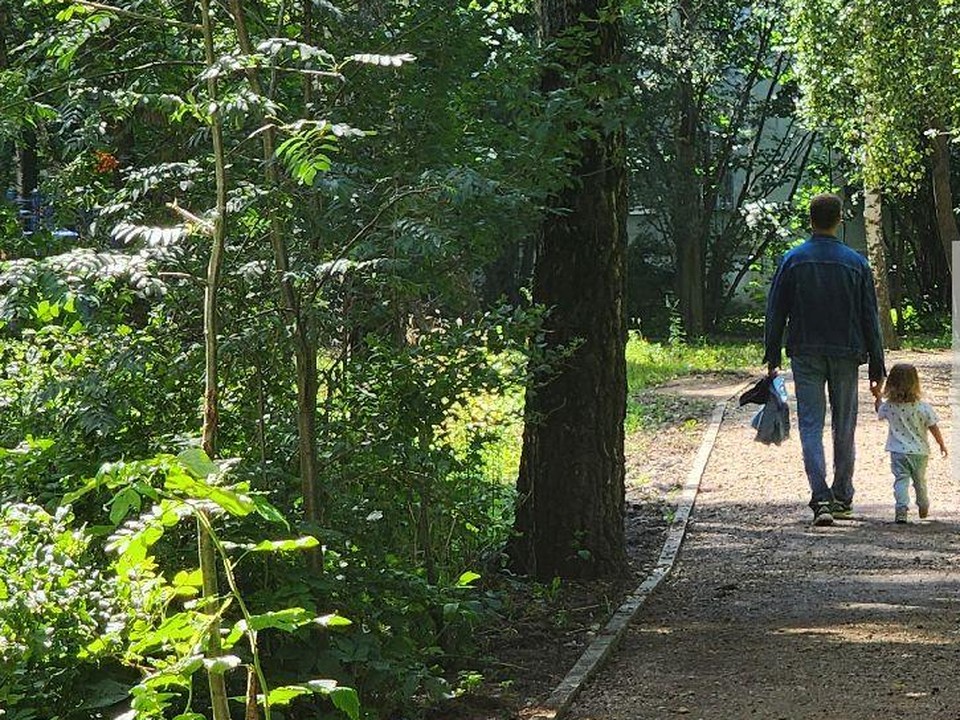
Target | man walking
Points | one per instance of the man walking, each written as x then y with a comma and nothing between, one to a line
823,295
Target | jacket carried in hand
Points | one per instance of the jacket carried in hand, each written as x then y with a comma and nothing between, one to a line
823,296
772,421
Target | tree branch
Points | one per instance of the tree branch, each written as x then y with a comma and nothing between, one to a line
139,16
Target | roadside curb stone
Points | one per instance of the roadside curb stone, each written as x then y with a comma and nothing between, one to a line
560,700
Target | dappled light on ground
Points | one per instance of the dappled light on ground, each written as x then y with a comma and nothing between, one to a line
768,617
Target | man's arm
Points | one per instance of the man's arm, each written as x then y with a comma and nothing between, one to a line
870,324
778,308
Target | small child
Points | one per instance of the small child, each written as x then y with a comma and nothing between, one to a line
909,417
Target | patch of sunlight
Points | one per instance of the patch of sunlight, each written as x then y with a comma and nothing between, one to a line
656,630
868,633
880,607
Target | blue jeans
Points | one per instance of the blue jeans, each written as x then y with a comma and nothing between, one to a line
906,468
811,373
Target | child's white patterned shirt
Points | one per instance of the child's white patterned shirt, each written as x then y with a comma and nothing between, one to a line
908,426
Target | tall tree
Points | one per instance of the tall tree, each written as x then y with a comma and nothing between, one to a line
879,76
873,223
715,145
571,486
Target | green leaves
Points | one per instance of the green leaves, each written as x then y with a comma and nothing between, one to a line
196,462
302,543
467,579
875,75
383,60
344,699
288,620
123,502
307,152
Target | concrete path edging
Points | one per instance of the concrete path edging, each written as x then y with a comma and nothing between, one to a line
558,703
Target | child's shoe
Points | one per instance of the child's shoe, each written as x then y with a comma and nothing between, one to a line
923,510
901,516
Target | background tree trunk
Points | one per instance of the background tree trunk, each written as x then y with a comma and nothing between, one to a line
304,340
686,221
28,171
873,223
571,485
943,195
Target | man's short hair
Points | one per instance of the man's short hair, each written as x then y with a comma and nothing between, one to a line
825,211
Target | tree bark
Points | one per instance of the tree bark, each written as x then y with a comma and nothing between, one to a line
686,221
876,253
28,171
571,486
943,195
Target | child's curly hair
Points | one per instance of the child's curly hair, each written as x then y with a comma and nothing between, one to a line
903,384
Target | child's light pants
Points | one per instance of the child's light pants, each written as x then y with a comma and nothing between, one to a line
907,467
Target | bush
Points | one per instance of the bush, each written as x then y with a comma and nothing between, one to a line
53,603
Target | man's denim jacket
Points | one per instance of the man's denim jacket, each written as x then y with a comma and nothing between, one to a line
823,295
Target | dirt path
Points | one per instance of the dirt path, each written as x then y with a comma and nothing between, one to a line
766,617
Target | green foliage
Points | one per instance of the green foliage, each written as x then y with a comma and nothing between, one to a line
716,154
54,602
877,77
387,231
650,363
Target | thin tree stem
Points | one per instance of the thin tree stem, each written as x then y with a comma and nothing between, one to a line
218,690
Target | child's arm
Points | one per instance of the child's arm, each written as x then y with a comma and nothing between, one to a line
938,436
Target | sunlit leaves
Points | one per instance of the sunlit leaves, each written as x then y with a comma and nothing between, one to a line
875,75
383,60
278,48
220,664
302,543
133,540
196,462
467,579
307,152
151,236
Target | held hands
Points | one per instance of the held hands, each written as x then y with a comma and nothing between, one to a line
876,389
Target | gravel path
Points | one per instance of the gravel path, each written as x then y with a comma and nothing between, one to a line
766,617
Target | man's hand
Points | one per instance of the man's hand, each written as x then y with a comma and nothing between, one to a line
876,389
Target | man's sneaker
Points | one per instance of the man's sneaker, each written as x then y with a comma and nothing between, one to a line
923,510
841,511
901,516
822,516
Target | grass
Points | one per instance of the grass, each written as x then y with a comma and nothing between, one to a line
942,341
648,364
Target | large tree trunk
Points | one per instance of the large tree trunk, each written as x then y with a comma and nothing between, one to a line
943,195
571,485
686,221
873,222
